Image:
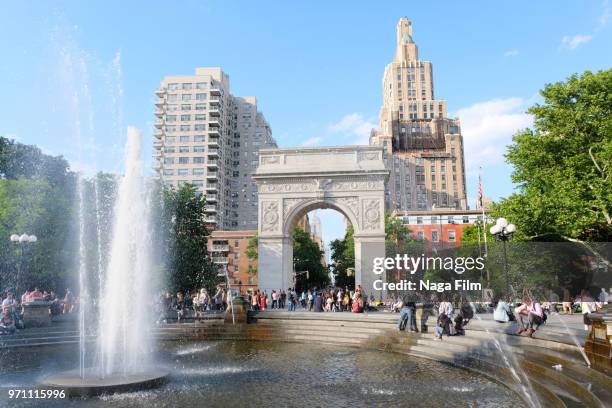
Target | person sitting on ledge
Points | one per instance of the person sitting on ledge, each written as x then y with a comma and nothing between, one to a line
530,314
7,324
443,326
179,306
502,313
36,294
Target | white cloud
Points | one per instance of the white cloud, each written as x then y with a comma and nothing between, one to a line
355,127
487,129
312,141
572,42
511,53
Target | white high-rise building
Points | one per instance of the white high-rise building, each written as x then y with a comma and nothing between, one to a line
209,138
423,147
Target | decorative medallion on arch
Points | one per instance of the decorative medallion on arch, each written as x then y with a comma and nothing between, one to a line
292,182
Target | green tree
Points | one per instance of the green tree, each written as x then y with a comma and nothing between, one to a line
253,254
35,207
563,166
343,258
188,265
307,257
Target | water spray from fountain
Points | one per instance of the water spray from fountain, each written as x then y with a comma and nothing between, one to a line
122,330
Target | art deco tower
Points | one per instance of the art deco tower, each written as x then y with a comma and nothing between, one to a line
423,147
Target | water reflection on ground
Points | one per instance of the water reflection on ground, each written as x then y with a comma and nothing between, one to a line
263,374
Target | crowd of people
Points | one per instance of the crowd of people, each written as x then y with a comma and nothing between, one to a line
312,300
13,311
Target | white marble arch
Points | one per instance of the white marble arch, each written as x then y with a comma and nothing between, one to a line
292,182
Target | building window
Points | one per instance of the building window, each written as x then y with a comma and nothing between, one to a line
434,236
183,160
183,172
420,235
185,118
199,127
198,160
173,86
168,172
201,97
200,106
184,139
184,149
198,138
451,236
201,85
185,128
198,172
466,219
198,149
451,219
419,220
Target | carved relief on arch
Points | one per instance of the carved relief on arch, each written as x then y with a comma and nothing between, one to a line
289,204
371,214
269,216
351,203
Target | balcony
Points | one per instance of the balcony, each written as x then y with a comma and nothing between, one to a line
160,102
215,101
220,259
214,123
213,152
211,198
220,248
211,187
213,164
157,145
213,209
159,123
214,132
214,112
159,133
160,92
212,175
159,113
216,91
213,143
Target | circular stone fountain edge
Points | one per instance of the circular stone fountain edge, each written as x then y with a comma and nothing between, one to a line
72,384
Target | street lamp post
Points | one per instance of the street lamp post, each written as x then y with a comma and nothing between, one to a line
502,231
22,240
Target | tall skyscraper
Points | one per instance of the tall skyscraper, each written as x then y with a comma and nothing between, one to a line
207,137
423,147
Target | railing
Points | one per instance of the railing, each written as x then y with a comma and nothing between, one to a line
220,259
220,248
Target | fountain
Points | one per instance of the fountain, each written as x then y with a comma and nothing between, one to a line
123,348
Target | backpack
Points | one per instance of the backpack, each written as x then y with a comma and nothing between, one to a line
467,311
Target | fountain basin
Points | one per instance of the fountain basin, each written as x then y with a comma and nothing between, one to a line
74,386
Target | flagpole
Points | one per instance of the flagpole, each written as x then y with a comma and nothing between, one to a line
484,219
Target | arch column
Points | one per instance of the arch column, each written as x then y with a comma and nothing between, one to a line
366,249
275,259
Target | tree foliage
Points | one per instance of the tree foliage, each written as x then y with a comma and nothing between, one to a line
563,166
307,257
36,197
188,265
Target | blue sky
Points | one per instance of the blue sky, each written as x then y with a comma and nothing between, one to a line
75,74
